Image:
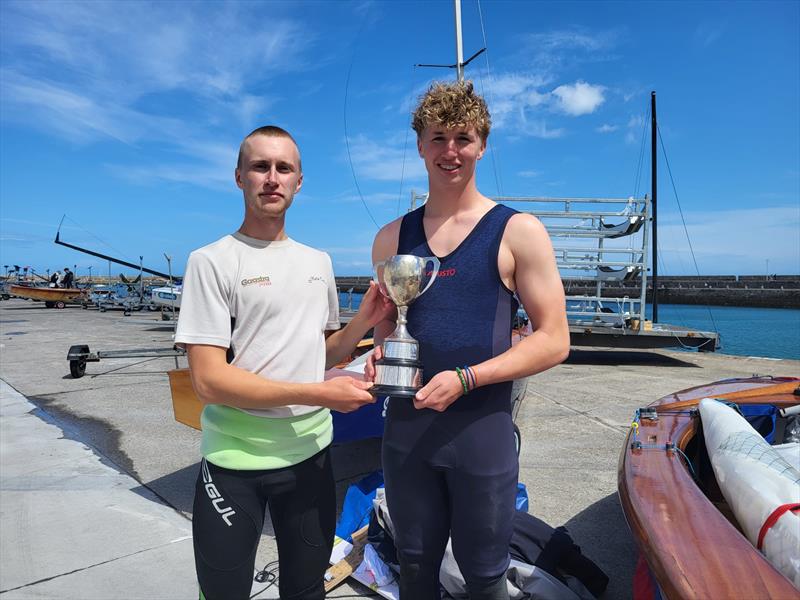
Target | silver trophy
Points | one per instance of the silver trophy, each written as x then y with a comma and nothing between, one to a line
402,278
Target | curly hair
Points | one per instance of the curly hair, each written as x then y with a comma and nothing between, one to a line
452,105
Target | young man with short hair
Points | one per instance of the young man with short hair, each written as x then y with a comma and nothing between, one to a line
449,458
256,305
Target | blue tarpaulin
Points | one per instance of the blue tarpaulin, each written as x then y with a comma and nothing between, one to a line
358,504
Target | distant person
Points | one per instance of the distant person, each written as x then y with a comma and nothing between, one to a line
449,456
68,278
255,310
54,279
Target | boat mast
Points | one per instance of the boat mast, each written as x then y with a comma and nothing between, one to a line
111,259
460,62
654,192
459,46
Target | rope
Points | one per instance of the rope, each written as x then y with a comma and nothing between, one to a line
346,137
638,178
497,182
120,252
683,220
405,146
773,518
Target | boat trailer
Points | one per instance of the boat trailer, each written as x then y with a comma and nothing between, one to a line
79,354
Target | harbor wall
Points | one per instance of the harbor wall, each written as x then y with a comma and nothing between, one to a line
759,291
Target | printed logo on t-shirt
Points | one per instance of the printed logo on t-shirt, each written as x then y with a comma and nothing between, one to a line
319,278
451,272
260,281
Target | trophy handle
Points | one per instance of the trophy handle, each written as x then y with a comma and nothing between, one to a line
377,271
436,265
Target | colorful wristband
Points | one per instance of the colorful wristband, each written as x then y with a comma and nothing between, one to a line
463,381
471,379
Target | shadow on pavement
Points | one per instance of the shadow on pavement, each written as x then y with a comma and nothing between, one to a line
351,462
602,533
625,357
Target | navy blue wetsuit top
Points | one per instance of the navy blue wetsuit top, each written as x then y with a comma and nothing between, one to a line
466,315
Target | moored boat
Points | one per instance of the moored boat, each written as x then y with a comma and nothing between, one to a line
686,532
166,297
52,297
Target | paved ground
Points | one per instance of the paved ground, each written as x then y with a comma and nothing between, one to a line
96,477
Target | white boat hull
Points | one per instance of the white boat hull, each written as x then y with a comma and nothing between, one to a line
755,480
166,296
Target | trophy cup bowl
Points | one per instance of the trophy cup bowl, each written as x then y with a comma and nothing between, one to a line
402,278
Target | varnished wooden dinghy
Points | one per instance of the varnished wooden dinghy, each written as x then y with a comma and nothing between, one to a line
674,508
52,297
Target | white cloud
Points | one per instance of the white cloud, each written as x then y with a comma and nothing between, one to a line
606,128
547,52
375,198
144,73
518,103
580,98
135,48
538,128
707,33
635,129
636,121
511,95
384,161
768,233
529,173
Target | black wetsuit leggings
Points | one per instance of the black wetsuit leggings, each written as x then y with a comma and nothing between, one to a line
229,514
451,474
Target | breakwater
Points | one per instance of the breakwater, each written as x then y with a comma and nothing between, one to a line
761,291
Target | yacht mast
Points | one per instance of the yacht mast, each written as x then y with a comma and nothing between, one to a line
654,192
460,62
459,46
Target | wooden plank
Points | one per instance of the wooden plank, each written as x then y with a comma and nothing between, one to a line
187,407
345,567
185,404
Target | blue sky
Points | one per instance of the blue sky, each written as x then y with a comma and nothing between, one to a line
127,117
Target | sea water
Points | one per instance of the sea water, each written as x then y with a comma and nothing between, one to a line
744,331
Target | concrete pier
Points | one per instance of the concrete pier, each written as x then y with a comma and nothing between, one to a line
97,478
761,291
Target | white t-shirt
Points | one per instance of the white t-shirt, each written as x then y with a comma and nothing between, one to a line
268,302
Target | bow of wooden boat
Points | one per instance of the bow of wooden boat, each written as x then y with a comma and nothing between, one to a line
692,548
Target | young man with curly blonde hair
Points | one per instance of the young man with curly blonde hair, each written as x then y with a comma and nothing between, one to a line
449,457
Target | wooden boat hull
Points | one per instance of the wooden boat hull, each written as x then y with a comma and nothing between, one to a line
693,549
46,294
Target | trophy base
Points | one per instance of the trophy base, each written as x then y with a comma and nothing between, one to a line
393,391
397,377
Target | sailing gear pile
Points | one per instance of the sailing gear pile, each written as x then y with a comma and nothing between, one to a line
545,563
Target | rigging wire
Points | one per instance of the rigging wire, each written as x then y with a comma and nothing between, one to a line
79,226
637,180
492,150
344,114
683,220
405,145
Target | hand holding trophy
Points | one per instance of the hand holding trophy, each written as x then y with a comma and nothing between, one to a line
402,278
